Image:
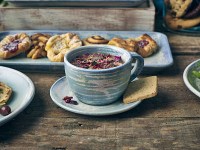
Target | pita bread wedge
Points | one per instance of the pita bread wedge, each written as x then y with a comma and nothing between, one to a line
141,89
5,93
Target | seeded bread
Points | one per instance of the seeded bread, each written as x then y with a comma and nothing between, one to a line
5,93
141,89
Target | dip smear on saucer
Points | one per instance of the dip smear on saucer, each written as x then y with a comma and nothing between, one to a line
97,61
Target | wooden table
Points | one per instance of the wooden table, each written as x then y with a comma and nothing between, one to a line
171,120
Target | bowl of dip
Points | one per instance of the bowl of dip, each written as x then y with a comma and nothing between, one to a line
191,77
99,75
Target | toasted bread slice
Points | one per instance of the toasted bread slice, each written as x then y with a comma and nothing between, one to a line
141,89
5,93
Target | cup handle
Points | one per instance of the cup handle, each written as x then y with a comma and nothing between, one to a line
138,66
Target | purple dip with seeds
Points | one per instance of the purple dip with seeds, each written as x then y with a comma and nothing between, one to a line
97,61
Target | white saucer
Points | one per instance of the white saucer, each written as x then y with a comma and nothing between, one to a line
60,89
23,91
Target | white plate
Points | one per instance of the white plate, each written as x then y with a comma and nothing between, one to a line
23,91
60,89
192,83
156,62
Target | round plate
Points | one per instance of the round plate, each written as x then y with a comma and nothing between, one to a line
60,89
23,91
192,83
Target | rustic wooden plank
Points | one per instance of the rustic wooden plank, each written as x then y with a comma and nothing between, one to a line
161,123
180,63
101,133
78,18
181,44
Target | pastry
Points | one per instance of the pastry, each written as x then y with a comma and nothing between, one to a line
129,44
179,23
58,45
147,46
5,93
13,45
95,40
37,50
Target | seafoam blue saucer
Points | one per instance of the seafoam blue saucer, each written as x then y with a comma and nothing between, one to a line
60,89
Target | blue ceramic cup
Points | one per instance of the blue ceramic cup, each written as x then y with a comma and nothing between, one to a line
103,86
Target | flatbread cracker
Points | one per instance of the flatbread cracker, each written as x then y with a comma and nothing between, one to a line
141,89
5,93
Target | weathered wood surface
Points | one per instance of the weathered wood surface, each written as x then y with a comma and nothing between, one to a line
171,120
78,18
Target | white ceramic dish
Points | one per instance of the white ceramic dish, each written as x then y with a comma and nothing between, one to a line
23,91
158,61
192,83
60,89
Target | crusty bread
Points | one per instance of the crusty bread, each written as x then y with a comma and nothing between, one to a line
182,14
141,89
5,93
179,23
179,7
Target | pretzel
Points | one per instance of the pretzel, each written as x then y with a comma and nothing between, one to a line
38,46
58,45
178,8
182,14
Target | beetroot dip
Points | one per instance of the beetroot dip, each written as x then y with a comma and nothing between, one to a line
97,61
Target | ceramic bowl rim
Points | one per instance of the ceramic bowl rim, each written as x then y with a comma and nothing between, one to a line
66,62
185,78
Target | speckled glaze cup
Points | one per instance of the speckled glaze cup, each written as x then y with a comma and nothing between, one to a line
104,86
